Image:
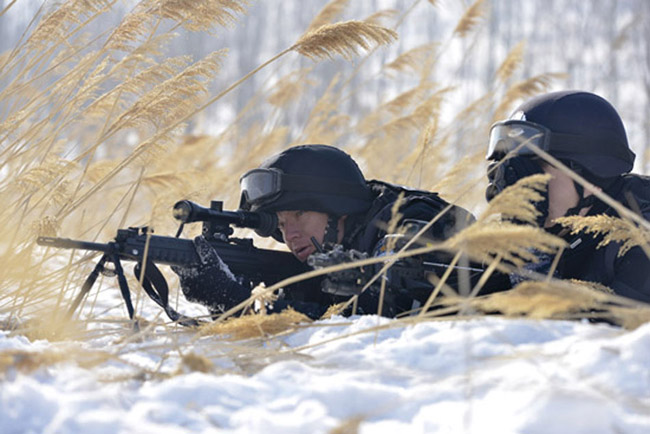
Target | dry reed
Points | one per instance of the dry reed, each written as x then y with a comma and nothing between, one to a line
613,230
517,202
512,62
254,326
471,18
380,16
70,115
330,12
523,89
343,39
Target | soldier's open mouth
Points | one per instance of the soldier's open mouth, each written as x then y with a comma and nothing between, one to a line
303,252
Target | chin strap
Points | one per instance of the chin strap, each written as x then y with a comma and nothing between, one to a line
331,236
583,202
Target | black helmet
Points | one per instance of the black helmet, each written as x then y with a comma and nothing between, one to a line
310,178
573,126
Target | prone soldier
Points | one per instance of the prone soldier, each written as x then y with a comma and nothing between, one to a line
584,132
326,209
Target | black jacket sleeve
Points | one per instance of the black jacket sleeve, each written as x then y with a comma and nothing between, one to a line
632,275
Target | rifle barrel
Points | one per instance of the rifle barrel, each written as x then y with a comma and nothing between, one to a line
66,243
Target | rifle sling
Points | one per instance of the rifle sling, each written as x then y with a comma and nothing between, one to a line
155,286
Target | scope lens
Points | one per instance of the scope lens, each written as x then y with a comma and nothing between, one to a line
182,211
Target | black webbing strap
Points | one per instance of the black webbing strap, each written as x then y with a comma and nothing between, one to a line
583,202
155,286
331,236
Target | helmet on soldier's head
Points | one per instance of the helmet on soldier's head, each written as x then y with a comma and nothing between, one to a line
310,178
573,126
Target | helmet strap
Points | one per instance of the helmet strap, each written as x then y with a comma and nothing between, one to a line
583,202
331,236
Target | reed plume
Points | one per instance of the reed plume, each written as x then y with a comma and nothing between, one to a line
512,62
55,27
35,178
329,13
514,243
398,105
556,299
290,87
471,18
517,202
523,89
343,38
47,226
196,363
174,98
325,123
415,59
379,17
26,361
454,183
425,157
199,15
419,117
612,229
133,27
252,326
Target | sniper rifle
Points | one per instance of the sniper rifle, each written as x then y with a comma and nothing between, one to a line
251,264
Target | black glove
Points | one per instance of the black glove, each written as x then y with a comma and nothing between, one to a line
533,270
344,282
210,281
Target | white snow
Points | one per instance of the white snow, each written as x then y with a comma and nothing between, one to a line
480,375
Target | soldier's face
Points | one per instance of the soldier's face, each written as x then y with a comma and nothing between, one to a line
298,227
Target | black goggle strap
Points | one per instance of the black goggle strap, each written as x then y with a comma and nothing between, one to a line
331,236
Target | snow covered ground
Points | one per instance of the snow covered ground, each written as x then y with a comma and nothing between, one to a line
482,375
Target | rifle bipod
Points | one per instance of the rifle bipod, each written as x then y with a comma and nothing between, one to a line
153,282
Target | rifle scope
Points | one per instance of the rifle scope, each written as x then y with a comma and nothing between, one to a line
263,223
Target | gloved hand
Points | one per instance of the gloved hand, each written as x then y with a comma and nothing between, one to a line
344,282
210,281
534,270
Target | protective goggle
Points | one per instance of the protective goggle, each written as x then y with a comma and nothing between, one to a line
519,137
262,186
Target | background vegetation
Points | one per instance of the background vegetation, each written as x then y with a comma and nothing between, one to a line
111,112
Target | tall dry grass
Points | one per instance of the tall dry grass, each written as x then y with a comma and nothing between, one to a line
96,133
